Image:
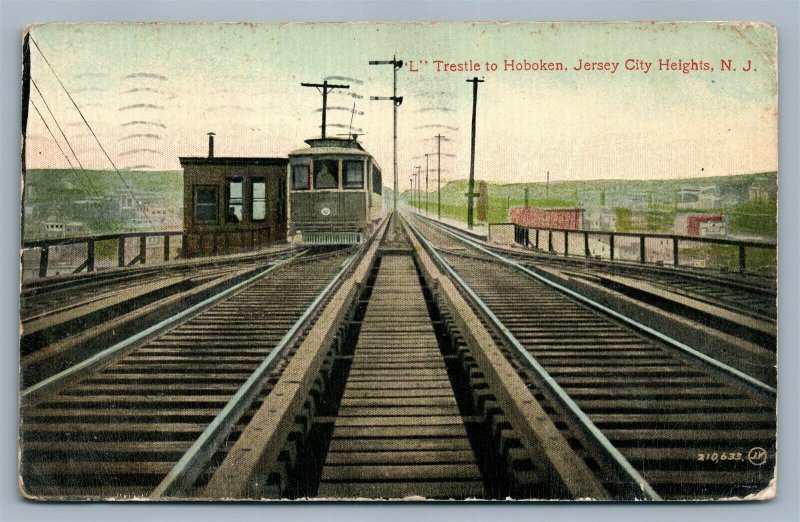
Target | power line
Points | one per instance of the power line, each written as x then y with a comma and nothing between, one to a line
72,167
84,177
55,120
121,177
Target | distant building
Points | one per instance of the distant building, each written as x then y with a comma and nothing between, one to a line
700,225
54,229
599,218
700,197
713,228
688,196
628,199
590,198
709,197
563,218
762,191
74,228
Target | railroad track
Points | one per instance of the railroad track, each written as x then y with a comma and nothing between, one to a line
399,407
675,422
102,312
157,409
398,429
51,295
748,294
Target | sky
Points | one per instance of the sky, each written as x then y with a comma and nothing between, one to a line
151,93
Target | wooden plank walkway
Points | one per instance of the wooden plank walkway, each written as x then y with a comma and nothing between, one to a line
399,431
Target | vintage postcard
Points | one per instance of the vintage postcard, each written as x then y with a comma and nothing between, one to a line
418,261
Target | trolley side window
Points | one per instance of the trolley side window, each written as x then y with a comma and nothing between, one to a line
377,180
205,204
234,203
300,177
353,174
326,174
259,202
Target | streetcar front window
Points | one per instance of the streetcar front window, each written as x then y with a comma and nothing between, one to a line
300,177
326,174
353,174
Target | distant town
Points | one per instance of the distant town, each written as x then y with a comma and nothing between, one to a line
743,207
735,207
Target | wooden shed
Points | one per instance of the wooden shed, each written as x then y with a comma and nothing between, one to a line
232,204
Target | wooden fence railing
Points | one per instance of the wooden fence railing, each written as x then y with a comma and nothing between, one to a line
45,245
531,237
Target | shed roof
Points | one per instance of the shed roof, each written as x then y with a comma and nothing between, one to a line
233,161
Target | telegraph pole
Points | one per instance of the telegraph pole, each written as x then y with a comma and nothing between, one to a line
396,102
326,88
527,190
26,96
426,184
439,175
547,186
471,188
419,192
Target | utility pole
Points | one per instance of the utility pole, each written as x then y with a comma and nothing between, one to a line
426,184
471,187
419,192
326,88
547,186
396,102
411,190
26,97
439,175
527,191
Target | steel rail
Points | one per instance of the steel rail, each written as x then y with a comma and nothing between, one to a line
185,472
540,256
611,451
719,365
148,333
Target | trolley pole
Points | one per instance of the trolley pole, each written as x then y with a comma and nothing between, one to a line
326,88
439,176
426,184
471,188
396,102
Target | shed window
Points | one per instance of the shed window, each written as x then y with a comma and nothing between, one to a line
205,204
259,203
326,174
300,177
234,203
353,174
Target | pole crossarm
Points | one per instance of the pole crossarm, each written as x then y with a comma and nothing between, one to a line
325,89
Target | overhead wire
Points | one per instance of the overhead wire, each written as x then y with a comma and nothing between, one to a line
119,174
69,145
81,180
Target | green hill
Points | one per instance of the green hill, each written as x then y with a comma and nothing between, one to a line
660,198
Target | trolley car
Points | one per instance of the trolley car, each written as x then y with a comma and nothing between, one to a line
335,189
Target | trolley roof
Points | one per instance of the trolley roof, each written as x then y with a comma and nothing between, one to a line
330,146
